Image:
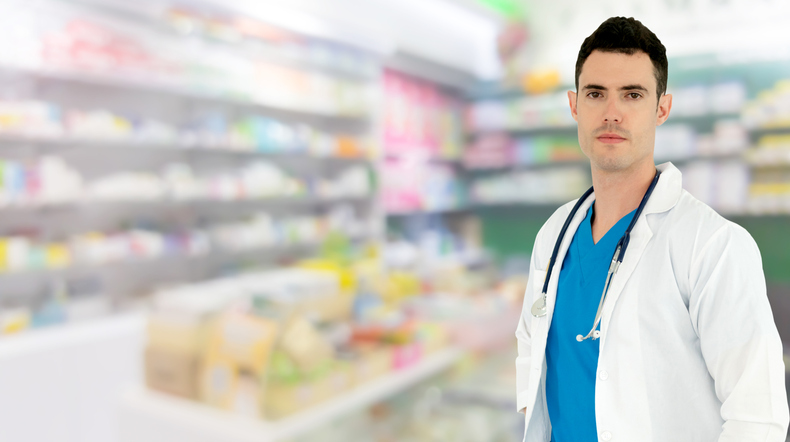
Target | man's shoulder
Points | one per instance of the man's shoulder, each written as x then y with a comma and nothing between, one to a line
694,219
691,212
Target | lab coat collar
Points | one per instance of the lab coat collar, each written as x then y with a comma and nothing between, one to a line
668,189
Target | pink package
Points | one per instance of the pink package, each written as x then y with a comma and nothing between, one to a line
406,355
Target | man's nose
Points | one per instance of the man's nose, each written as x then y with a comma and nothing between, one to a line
613,114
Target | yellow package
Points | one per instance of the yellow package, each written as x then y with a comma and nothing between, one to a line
172,372
244,339
304,345
57,255
14,321
3,254
218,382
184,334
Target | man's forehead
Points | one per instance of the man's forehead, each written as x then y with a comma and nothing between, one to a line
617,70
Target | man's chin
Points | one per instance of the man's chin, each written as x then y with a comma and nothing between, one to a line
611,164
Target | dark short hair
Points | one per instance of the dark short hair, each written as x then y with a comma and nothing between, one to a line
627,36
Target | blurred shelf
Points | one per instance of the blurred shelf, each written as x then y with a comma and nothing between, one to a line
10,142
420,154
758,132
479,206
482,395
143,83
529,205
217,255
530,166
701,119
245,47
198,204
711,157
495,90
775,164
150,416
437,211
70,334
526,131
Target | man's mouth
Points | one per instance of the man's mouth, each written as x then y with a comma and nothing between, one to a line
610,138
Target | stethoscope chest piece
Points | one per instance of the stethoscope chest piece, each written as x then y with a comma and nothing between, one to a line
539,307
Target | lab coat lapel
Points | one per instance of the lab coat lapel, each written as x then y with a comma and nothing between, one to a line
665,196
640,236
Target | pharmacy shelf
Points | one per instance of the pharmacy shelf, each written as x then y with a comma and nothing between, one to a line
701,119
525,131
144,84
710,157
196,204
332,63
769,129
530,166
66,335
69,375
11,143
480,206
148,416
436,211
218,255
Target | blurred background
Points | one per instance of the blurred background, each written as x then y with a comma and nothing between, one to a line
282,221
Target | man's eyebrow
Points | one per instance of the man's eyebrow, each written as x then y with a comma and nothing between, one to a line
630,87
634,87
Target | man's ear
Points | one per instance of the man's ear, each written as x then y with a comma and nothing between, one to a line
572,102
664,106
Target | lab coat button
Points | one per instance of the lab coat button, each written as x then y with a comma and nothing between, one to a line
606,435
603,375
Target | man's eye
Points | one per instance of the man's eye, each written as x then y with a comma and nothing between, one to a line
594,94
634,95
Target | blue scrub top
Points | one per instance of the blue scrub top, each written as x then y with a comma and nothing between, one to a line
571,365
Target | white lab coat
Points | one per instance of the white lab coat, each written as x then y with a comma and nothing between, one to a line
688,351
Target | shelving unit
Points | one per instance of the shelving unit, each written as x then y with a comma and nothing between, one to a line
196,204
153,417
180,82
10,142
171,259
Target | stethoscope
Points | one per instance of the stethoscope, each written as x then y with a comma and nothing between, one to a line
539,307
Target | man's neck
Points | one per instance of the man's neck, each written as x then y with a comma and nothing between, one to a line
617,194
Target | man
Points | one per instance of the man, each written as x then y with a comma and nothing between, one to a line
686,348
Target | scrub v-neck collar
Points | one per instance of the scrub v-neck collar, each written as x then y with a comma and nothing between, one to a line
604,248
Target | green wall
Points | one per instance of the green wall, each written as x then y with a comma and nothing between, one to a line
511,231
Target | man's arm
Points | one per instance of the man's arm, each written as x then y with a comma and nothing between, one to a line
738,338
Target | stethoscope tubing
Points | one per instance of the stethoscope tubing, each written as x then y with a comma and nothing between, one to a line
617,258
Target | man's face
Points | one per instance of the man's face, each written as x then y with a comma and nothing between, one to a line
617,111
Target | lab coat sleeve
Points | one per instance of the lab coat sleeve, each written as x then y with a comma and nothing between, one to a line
739,341
523,333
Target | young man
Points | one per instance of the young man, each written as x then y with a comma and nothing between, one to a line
682,345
